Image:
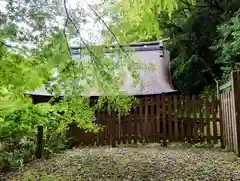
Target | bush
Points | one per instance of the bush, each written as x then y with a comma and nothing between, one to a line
18,132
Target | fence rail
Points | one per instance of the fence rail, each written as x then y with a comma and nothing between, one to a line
155,118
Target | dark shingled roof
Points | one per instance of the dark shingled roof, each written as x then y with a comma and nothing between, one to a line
155,82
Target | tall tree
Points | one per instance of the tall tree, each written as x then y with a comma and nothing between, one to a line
51,61
136,21
189,28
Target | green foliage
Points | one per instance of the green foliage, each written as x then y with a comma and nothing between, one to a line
228,46
121,104
138,20
51,63
190,29
192,33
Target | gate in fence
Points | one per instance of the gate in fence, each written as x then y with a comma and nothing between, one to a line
158,118
230,112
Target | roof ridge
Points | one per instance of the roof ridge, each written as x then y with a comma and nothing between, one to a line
137,44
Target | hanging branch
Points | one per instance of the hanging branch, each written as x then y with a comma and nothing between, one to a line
105,24
8,46
65,25
69,19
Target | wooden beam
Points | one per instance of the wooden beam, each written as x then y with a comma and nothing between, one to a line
226,85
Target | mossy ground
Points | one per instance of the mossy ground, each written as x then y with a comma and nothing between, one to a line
149,162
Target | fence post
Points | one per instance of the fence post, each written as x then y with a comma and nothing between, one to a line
220,115
39,142
236,99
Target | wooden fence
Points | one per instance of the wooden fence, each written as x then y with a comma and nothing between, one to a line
230,112
157,118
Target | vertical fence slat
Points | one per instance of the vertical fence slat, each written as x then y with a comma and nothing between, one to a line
187,120
221,119
233,122
150,120
158,118
98,143
109,137
214,121
125,136
227,122
106,139
114,128
176,129
208,120
236,97
102,134
138,123
201,119
170,132
141,137
164,118
153,116
231,119
182,104
129,128
224,119
119,130
146,120
135,126
194,120
122,130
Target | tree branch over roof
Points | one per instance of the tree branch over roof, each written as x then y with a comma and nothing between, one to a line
65,25
108,28
69,19
7,45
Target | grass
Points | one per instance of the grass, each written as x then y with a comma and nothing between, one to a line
149,162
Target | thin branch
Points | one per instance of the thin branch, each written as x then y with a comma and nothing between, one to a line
8,46
105,24
69,19
65,26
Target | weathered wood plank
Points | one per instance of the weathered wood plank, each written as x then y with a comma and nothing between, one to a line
146,120
194,121
201,119
158,118
226,85
164,118
141,137
170,132
176,128
214,122
208,120
236,95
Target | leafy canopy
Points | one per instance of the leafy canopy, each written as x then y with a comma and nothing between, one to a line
201,35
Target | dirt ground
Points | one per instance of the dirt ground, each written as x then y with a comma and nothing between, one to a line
144,163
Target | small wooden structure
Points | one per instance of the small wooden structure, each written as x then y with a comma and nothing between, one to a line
162,113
